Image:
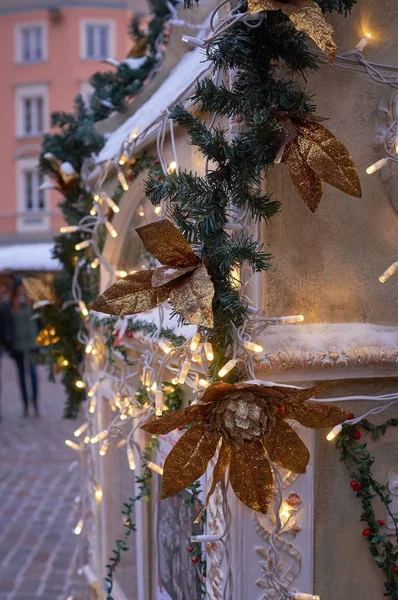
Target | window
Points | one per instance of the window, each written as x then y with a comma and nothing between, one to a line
31,43
32,197
31,110
97,39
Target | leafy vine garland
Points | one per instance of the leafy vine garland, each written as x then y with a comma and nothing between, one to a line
359,462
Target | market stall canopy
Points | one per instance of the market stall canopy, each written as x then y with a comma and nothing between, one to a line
28,257
175,88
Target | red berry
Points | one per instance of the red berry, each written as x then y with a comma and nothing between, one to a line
357,435
350,416
195,559
355,486
380,522
156,161
366,532
395,570
191,549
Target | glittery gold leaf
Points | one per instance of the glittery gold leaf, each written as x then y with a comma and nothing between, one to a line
178,418
192,297
306,181
39,291
188,460
250,475
46,337
218,390
221,465
286,448
163,240
327,157
305,16
130,295
315,415
164,275
139,48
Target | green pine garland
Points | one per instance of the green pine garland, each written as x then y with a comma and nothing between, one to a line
359,462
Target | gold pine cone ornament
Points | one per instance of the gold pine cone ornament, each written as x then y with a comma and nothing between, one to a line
250,422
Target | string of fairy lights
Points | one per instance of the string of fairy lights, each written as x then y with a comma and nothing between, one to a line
187,364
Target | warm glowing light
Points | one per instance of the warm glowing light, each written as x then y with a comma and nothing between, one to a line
154,467
227,368
159,403
253,347
377,166
334,433
80,430
93,404
389,273
112,231
72,445
362,43
186,365
98,493
122,180
83,308
141,211
86,439
93,211
92,390
95,263
65,362
131,458
122,159
111,204
291,320
79,527
82,245
121,274
165,346
235,277
172,166
302,596
99,437
196,357
209,351
68,229
195,342
174,381
104,448
203,383
89,349
80,384
158,210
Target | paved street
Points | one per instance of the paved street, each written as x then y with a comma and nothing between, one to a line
39,553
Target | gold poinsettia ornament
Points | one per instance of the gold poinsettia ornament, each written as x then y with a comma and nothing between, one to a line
183,280
306,16
250,421
39,291
316,155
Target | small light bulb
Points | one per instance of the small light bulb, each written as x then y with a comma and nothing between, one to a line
72,445
227,368
121,274
131,458
122,180
80,430
93,211
141,211
158,210
80,384
65,362
111,204
209,351
122,159
253,347
83,308
377,166
301,596
195,342
93,404
164,346
93,389
196,357
112,231
79,527
172,166
89,348
154,467
186,365
98,493
99,436
334,433
389,273
204,383
104,448
123,417
86,439
291,320
68,229
362,43
159,403
95,263
146,378
174,381
82,245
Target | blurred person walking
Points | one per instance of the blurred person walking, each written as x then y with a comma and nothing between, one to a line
18,331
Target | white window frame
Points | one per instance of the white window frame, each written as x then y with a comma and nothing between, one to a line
83,42
23,93
18,50
35,220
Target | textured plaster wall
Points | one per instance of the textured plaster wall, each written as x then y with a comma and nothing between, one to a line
326,265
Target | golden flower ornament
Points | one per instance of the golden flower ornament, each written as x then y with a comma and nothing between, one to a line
39,291
306,16
249,419
315,155
183,280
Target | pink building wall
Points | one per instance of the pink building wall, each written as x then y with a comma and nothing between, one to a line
63,72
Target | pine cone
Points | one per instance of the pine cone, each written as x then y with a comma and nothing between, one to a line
242,417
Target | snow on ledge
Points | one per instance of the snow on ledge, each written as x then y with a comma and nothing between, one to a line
28,257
